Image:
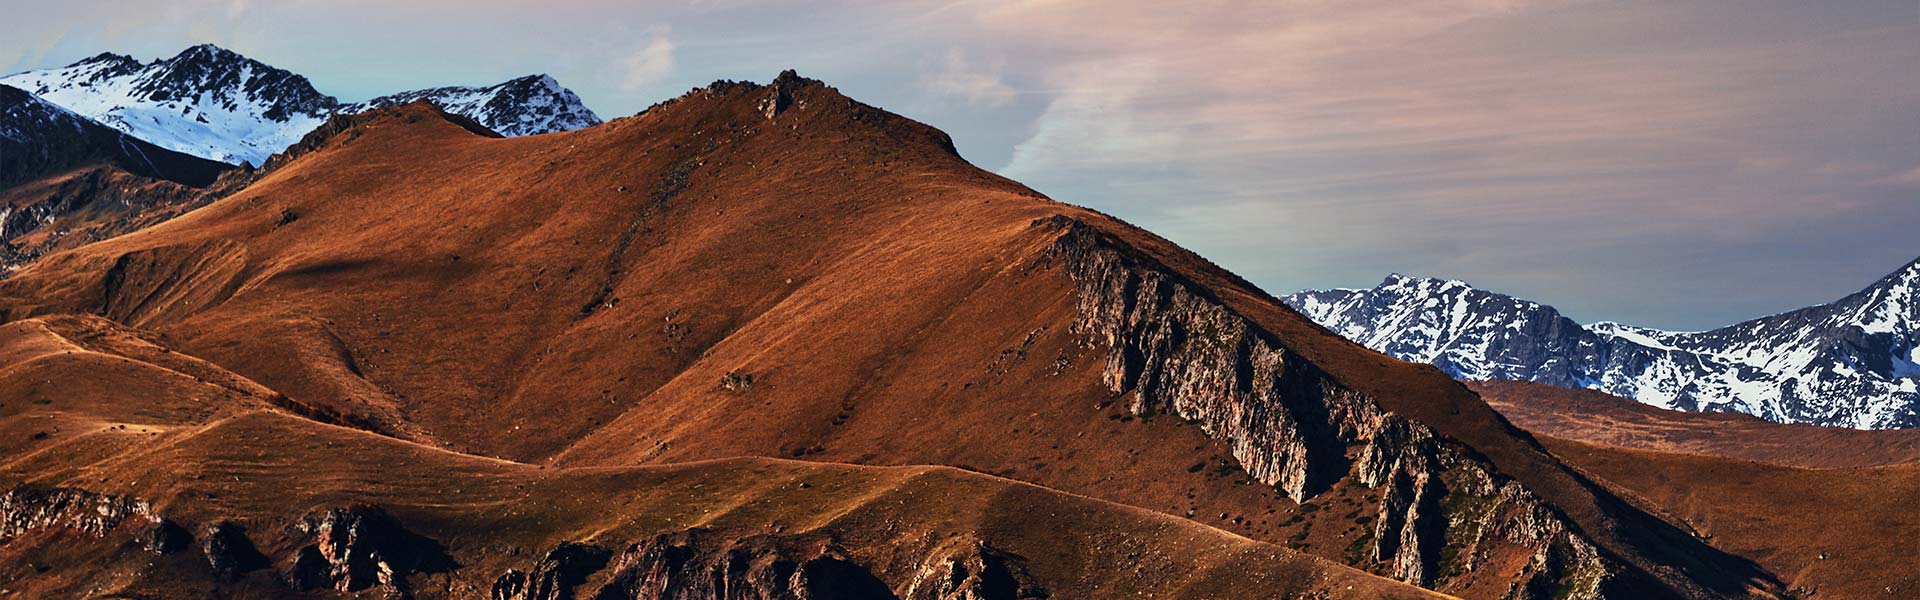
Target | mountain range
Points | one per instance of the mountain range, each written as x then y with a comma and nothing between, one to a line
1848,363
765,341
214,103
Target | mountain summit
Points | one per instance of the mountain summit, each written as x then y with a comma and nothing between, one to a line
214,103
1850,363
523,106
206,101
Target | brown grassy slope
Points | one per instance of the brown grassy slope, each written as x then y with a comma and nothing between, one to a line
200,447
1828,533
1604,419
605,296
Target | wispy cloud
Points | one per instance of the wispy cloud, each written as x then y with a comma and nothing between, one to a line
649,64
978,84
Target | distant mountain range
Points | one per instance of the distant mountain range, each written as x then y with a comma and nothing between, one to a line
214,103
1851,362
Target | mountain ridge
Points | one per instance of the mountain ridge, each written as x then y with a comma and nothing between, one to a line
1850,362
214,103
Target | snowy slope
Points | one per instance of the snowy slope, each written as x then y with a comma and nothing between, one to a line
1854,362
526,106
206,101
214,103
39,139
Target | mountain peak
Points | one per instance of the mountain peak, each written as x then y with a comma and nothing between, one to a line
536,80
209,51
105,57
525,105
1846,363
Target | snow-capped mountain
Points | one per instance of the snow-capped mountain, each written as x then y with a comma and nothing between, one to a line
214,103
1854,362
39,139
525,106
206,101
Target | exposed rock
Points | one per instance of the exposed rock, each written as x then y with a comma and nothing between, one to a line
780,92
682,568
360,547
563,568
979,572
27,508
1177,349
229,552
165,537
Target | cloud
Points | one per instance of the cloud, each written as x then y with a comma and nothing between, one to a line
1906,179
649,64
979,85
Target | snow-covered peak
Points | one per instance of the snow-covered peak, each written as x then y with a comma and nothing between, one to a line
205,101
527,105
214,103
1853,362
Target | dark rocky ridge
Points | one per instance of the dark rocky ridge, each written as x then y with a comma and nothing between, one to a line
1445,511
38,139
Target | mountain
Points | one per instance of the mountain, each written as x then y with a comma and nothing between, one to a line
752,335
524,106
65,179
214,103
38,138
206,101
1849,363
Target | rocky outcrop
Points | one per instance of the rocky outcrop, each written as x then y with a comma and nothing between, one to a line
780,92
1175,348
977,572
360,547
564,568
682,567
25,508
230,553
165,537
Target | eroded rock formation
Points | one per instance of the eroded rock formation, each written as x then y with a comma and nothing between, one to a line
27,508
683,568
359,547
1175,348
230,553
562,569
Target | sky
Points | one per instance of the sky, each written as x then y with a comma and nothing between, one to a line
1679,163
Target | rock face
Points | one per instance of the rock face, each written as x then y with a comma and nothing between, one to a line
978,572
230,553
24,509
361,547
683,568
564,567
1849,363
1174,349
165,537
